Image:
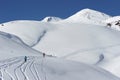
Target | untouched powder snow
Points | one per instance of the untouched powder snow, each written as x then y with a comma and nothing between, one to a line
88,16
40,68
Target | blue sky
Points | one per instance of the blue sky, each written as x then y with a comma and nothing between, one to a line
38,9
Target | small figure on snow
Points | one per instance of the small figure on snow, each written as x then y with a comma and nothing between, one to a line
44,54
25,59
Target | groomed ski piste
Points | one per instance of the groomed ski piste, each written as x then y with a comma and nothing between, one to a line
81,47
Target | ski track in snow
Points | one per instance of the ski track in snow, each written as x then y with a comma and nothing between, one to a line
18,69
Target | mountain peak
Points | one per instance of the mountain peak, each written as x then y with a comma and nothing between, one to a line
51,19
88,15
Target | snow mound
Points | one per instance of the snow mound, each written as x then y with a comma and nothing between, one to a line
39,68
88,16
51,19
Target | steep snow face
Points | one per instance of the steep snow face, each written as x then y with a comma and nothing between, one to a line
88,16
113,22
29,31
51,19
11,46
80,42
39,68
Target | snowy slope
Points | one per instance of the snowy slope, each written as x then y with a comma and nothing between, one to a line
29,31
38,68
11,46
80,42
88,16
51,19
75,41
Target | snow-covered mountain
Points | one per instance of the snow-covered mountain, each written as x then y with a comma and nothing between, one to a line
51,19
83,37
88,16
77,41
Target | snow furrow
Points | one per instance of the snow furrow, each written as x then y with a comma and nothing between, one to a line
9,68
28,72
34,71
19,72
6,76
40,71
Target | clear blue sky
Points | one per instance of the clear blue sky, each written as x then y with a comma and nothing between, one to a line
38,9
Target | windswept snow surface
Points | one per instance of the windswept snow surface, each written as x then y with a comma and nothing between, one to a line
40,68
